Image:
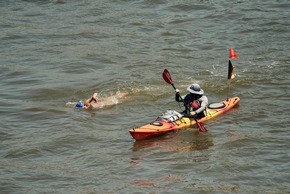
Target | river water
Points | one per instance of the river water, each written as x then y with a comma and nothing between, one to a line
57,52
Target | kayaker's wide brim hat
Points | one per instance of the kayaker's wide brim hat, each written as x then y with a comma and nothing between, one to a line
195,89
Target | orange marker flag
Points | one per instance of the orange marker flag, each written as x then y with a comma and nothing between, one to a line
233,54
231,69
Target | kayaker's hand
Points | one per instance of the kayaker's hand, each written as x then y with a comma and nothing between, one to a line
177,90
192,113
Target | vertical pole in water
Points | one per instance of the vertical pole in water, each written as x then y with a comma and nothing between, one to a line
231,68
231,74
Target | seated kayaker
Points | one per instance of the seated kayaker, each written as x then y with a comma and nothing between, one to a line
195,101
93,102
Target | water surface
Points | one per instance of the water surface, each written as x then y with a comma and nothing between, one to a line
55,52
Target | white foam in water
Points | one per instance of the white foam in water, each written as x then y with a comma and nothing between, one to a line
115,100
71,103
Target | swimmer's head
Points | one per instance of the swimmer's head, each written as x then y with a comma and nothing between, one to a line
79,105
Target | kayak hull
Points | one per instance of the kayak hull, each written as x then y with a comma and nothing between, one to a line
160,126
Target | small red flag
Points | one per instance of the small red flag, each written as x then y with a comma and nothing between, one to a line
231,69
233,54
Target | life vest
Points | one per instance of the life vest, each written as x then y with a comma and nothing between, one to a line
194,105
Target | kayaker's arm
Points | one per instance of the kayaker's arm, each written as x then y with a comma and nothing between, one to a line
204,103
178,98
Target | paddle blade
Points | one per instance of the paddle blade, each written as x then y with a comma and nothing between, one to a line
166,76
200,127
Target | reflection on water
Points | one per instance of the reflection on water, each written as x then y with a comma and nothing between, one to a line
183,140
186,140
155,182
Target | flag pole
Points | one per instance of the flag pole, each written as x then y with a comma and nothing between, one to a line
231,75
231,68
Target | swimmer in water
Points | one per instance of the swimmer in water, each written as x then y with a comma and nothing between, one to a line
93,102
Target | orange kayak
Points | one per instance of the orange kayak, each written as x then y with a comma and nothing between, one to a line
172,120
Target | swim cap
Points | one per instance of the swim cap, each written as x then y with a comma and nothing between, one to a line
79,105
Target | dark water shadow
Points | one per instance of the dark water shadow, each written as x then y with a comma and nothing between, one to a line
183,140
